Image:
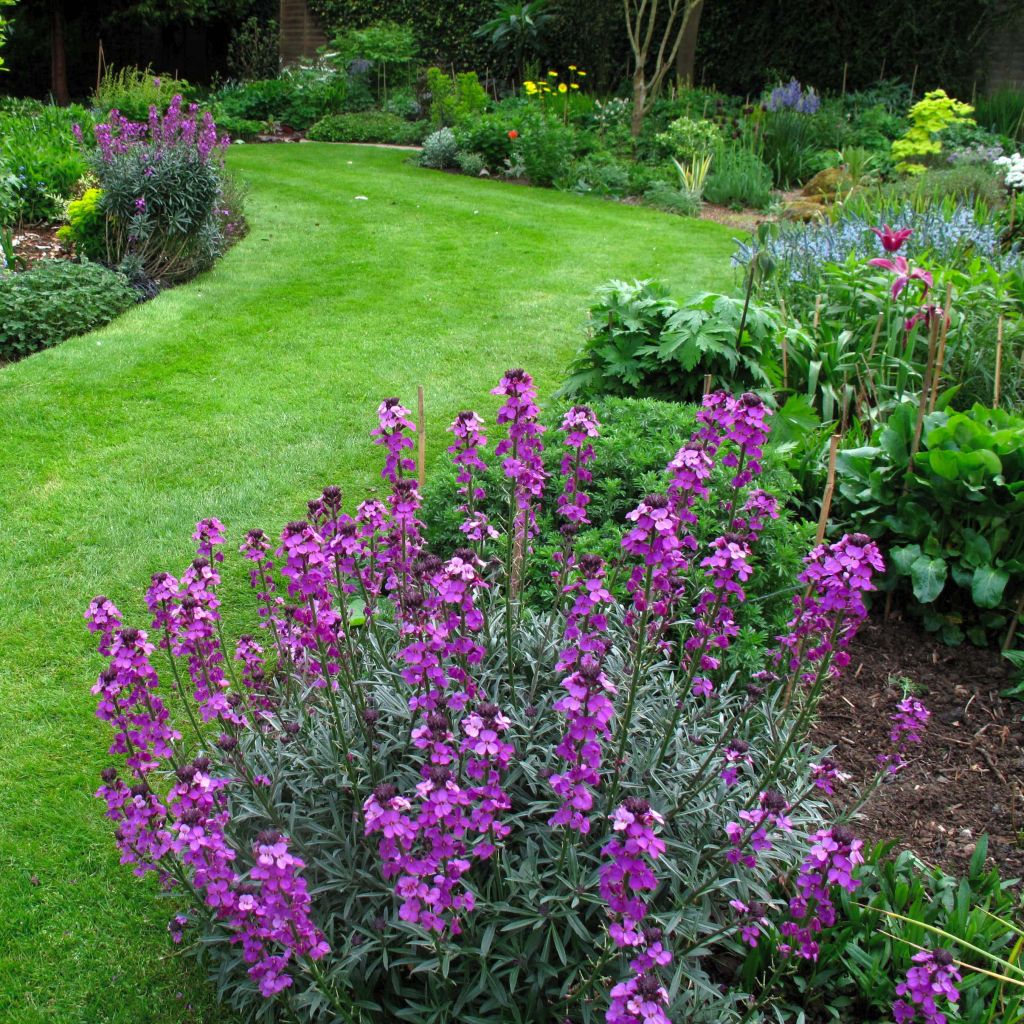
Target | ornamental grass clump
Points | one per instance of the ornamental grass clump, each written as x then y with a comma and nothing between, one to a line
406,794
168,205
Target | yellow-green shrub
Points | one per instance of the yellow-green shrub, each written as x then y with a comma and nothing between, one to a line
86,226
928,117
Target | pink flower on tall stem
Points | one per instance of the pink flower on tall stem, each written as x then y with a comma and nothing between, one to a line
892,239
904,274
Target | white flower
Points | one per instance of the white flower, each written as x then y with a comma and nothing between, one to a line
1013,174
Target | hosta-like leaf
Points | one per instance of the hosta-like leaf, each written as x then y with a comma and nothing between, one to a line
928,576
988,586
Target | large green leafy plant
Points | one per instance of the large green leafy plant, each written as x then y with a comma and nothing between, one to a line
950,515
641,342
54,300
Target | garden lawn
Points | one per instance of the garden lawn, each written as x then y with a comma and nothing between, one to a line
241,395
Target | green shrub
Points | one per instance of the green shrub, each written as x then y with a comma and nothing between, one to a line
641,342
1002,112
454,100
950,517
86,226
471,163
439,149
672,199
57,299
545,149
739,177
41,152
963,181
874,128
133,91
638,439
253,52
928,118
488,136
372,126
792,146
402,102
601,174
687,137
298,98
237,127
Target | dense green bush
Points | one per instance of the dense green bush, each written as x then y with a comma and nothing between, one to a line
299,97
454,99
54,300
545,148
638,439
371,126
38,146
643,343
793,145
951,516
601,174
86,226
488,136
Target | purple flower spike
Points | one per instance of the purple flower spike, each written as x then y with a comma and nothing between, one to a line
522,447
393,432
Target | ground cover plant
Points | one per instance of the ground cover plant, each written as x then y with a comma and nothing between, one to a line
633,744
57,300
143,406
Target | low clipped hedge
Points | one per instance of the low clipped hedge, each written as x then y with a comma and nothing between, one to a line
372,126
55,300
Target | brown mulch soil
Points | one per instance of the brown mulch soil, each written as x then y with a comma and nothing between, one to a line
741,220
966,779
39,242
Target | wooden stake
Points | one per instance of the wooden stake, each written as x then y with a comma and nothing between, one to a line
941,357
817,310
926,385
830,486
846,67
881,74
101,64
422,432
1011,633
707,384
913,82
999,363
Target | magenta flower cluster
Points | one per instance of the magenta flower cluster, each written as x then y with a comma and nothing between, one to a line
931,981
588,703
828,614
178,129
625,874
834,853
263,902
521,450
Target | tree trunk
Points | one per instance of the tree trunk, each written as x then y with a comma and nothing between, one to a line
686,58
639,100
58,57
